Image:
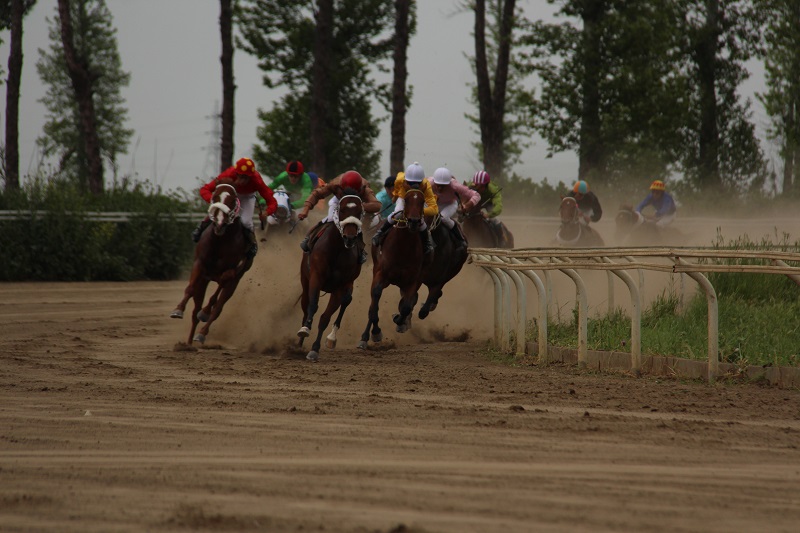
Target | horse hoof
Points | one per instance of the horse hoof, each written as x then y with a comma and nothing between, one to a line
200,338
303,332
313,356
396,318
177,313
362,345
423,313
377,337
202,316
331,344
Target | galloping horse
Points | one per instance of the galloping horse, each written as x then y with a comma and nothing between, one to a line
219,257
447,262
398,261
331,266
635,229
572,231
480,234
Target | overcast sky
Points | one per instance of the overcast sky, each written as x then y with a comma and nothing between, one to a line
172,48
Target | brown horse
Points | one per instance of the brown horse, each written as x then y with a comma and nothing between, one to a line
634,229
332,266
573,232
220,257
398,261
446,264
480,233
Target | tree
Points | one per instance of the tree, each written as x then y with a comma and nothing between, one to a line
11,14
404,27
324,59
228,85
85,117
782,98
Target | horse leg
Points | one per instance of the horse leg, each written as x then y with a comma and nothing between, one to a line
334,300
408,299
226,290
434,293
376,292
199,293
188,292
205,312
347,297
311,301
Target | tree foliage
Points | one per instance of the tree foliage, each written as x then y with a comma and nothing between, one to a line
95,44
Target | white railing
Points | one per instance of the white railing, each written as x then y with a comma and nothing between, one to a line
505,267
104,216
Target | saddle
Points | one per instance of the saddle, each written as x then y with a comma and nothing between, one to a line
316,234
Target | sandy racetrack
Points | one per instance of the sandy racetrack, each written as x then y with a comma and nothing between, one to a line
107,425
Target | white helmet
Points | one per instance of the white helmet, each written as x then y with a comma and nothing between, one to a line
442,176
414,173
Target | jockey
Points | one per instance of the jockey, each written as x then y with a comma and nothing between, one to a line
662,202
450,195
296,182
386,199
414,178
247,181
587,201
338,187
490,203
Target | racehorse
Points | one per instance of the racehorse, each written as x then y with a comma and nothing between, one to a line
572,231
331,266
480,234
446,264
398,261
635,229
219,256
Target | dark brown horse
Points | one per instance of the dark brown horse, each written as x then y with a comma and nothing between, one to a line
398,261
219,256
572,231
480,234
446,264
332,266
634,229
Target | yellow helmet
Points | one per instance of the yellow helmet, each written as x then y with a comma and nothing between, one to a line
657,185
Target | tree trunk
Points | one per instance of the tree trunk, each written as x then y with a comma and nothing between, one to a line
228,85
82,83
320,87
399,95
492,104
706,50
790,150
12,96
591,152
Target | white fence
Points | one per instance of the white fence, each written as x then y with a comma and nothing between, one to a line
507,268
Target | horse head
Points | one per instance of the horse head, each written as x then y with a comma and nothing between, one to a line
568,210
348,217
627,218
284,210
224,208
414,208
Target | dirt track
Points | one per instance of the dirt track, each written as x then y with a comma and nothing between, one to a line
106,424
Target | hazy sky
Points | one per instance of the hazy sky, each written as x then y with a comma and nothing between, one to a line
172,48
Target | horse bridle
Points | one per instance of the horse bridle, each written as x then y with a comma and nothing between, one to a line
230,214
348,243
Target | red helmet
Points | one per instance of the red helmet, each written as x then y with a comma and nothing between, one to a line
352,179
246,167
294,167
481,178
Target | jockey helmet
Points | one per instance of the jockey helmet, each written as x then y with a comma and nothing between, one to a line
294,167
658,185
246,167
414,173
389,182
442,176
580,187
352,179
481,178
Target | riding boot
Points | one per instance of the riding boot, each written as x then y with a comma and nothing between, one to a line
427,241
304,243
377,239
458,235
252,245
362,253
198,231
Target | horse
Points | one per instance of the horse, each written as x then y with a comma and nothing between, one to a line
398,261
447,263
572,231
220,257
284,215
331,266
635,229
480,233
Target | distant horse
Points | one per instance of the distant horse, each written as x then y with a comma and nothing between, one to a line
635,229
572,231
446,264
398,261
332,266
219,257
480,233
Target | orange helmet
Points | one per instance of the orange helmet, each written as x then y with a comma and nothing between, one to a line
657,185
351,179
580,187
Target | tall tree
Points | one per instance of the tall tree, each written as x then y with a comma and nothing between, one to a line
404,27
782,98
330,85
228,84
11,14
82,70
